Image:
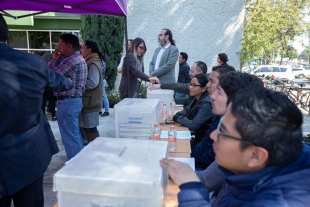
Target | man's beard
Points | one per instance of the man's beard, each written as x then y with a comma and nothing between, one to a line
161,42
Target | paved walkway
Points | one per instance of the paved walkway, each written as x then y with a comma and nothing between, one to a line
106,129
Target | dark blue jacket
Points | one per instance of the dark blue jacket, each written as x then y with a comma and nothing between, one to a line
197,116
184,73
203,152
272,186
27,142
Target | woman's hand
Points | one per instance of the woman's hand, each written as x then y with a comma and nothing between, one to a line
179,172
154,80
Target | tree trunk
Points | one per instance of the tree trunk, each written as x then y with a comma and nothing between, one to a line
241,64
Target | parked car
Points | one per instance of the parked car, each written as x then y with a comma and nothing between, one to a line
248,70
300,72
284,72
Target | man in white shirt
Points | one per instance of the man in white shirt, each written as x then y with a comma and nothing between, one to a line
165,57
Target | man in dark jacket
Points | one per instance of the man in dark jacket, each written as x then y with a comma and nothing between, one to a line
183,73
228,85
26,140
222,60
258,146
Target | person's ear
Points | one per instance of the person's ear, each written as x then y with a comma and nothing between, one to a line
69,46
204,89
259,157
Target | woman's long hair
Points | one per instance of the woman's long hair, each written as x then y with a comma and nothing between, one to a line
93,45
134,45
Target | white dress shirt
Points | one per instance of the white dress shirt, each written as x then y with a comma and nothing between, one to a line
160,53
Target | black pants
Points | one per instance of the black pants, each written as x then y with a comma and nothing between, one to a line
31,195
49,96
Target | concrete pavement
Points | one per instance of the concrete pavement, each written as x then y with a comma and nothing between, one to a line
106,129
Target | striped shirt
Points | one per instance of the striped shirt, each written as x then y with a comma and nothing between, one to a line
73,67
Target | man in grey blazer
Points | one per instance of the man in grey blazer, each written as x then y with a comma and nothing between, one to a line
165,57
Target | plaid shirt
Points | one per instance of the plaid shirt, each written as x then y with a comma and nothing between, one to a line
73,67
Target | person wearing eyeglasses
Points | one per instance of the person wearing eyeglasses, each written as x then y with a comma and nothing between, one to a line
199,67
229,85
197,116
165,57
259,149
136,69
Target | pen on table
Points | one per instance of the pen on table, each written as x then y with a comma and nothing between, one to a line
120,154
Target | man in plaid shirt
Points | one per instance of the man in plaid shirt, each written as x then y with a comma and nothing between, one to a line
69,103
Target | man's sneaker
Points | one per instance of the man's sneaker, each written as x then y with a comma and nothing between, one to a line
106,113
54,118
100,112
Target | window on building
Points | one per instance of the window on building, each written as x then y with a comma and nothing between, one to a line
55,38
36,42
39,40
17,39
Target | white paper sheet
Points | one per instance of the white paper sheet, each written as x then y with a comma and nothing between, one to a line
180,135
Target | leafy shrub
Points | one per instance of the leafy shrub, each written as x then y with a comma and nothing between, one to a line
113,97
143,90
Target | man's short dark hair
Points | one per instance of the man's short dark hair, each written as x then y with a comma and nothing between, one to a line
223,57
232,82
71,39
4,31
202,67
184,56
269,120
222,70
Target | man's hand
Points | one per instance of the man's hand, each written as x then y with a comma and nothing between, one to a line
179,172
154,87
57,55
154,79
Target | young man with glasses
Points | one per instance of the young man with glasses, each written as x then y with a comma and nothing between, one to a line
165,57
258,146
222,86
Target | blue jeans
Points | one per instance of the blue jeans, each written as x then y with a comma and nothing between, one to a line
180,95
105,99
68,111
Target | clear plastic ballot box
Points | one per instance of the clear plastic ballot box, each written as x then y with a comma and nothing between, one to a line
114,172
162,94
135,117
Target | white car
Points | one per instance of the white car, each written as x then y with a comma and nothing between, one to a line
283,72
300,72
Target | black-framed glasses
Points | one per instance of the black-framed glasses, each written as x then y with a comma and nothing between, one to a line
226,135
141,47
193,85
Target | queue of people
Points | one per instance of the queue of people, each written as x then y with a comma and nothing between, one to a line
248,146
